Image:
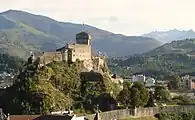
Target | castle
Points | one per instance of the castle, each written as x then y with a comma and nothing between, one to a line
81,50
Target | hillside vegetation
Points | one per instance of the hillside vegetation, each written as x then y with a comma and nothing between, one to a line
22,32
10,64
55,87
176,57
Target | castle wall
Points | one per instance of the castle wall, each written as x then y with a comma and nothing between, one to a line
140,112
80,51
48,57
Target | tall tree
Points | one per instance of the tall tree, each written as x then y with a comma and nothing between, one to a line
161,94
134,96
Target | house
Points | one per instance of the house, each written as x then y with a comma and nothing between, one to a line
139,78
45,117
150,82
188,82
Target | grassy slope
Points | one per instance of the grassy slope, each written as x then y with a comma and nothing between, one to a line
18,39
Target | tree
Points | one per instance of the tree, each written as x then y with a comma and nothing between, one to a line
182,100
162,94
150,100
134,96
175,82
144,94
127,84
124,97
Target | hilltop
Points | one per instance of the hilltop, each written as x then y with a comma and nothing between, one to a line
54,87
27,32
176,57
171,35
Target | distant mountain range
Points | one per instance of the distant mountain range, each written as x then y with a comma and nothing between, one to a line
172,35
22,32
172,58
186,46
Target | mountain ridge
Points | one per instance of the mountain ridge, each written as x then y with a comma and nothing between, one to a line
172,58
42,33
171,35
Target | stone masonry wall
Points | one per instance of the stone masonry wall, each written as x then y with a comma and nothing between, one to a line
115,114
140,112
112,115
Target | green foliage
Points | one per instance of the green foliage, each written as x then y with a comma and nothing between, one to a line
174,82
183,100
169,59
190,115
127,84
41,86
162,94
124,97
10,64
102,92
134,96
58,86
150,100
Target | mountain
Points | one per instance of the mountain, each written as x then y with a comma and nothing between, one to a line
172,35
181,46
172,58
22,32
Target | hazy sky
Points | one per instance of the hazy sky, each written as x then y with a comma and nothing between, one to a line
129,17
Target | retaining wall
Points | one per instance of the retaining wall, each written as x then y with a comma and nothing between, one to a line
140,112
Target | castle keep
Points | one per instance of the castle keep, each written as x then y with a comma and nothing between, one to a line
80,50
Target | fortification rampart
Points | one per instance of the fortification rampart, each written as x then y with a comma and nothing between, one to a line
115,114
140,112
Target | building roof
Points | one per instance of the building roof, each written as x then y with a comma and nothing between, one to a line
38,117
84,34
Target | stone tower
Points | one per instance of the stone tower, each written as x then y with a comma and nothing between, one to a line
83,38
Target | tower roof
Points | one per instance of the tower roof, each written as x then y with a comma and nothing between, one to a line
84,34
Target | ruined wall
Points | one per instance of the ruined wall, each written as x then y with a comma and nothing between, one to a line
48,57
98,63
88,64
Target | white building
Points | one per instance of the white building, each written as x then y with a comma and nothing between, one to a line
139,78
188,82
150,82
